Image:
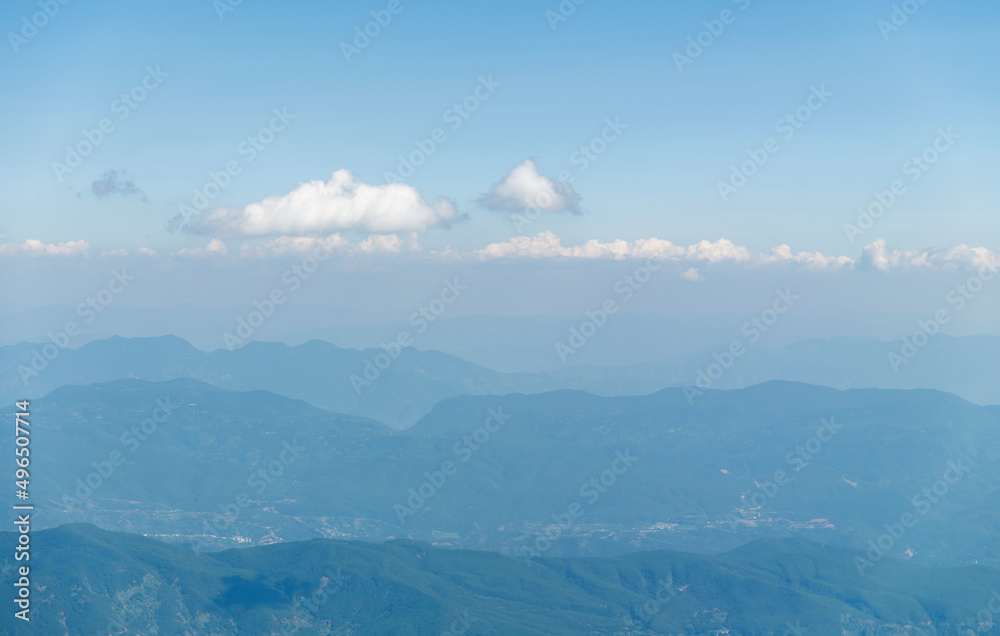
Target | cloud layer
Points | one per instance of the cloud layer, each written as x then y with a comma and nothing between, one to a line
524,188
878,256
341,204
303,246
875,256
34,247
548,245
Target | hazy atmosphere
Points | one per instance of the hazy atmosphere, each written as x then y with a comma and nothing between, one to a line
536,317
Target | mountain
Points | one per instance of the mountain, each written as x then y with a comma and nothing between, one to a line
504,343
601,475
963,366
399,387
85,580
371,383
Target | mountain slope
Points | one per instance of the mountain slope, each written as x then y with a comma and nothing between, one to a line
500,472
402,587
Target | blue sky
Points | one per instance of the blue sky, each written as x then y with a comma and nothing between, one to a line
556,84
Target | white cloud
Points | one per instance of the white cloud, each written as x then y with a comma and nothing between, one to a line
692,275
878,256
380,243
145,251
548,245
812,260
115,253
718,251
215,247
340,204
303,246
34,247
292,245
524,188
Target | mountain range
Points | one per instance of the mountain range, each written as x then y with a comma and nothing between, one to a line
89,581
401,385
204,466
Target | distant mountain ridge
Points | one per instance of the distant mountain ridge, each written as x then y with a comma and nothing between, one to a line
399,391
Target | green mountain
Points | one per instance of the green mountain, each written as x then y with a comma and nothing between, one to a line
600,476
87,581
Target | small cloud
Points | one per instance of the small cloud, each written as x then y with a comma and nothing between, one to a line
343,203
215,247
145,251
693,276
524,188
116,182
115,253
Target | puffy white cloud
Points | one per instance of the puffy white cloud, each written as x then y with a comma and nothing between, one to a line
340,204
215,247
34,247
524,188
878,256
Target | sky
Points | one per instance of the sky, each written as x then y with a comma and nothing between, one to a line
745,134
